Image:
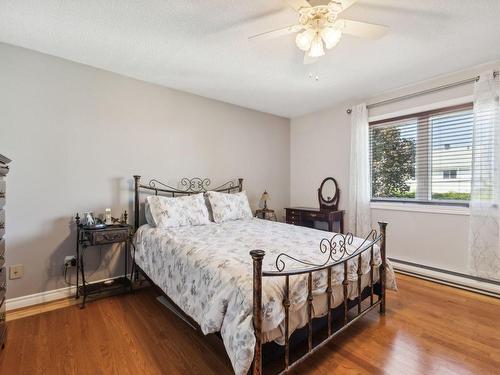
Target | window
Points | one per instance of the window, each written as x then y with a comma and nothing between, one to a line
423,157
448,174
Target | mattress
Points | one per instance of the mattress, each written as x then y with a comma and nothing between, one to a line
207,271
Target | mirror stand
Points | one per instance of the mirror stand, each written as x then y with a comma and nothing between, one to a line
329,194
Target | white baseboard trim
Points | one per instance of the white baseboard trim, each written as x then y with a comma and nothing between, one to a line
44,297
39,298
445,278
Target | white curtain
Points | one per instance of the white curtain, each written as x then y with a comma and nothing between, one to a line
484,239
359,180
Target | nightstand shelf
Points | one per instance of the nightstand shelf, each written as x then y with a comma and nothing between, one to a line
91,237
266,214
120,283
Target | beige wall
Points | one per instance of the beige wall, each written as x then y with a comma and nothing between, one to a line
319,147
76,136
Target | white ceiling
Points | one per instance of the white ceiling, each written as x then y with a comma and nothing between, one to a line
201,46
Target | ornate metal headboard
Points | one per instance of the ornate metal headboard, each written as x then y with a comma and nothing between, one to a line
187,186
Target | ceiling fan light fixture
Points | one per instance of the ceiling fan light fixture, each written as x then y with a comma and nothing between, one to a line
317,49
305,39
331,36
320,27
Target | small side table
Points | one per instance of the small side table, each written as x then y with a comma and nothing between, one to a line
266,214
88,237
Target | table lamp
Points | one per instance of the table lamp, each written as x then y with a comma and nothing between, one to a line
265,198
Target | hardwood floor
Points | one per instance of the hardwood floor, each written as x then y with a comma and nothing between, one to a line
428,329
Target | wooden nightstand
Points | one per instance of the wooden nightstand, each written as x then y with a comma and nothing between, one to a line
89,237
305,217
266,214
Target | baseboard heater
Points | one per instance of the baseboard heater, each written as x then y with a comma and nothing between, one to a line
451,278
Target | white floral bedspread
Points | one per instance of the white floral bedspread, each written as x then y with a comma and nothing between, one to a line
207,271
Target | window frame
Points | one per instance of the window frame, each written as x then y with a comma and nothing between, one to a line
422,119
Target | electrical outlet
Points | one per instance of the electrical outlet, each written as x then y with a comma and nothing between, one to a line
16,271
70,261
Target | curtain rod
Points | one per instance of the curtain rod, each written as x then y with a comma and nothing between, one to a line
424,92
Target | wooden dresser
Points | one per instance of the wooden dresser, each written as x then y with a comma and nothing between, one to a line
306,217
4,169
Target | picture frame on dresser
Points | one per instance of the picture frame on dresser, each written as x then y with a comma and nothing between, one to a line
4,170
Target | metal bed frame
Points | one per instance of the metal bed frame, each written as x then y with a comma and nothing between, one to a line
338,251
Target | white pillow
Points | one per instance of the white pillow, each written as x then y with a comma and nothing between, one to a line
168,212
149,216
226,206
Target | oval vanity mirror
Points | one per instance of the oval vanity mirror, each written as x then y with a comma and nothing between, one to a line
328,189
328,194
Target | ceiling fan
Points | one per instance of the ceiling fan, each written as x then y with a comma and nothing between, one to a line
320,26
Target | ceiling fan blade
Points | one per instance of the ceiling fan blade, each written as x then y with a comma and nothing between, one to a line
277,33
298,4
346,3
361,29
309,60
